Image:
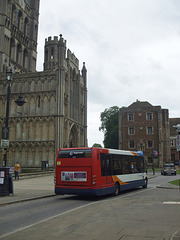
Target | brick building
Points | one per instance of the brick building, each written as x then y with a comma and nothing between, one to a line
145,128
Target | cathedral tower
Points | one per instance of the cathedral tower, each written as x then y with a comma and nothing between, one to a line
18,35
54,53
71,92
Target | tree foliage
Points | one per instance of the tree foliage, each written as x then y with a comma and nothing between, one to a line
97,145
109,126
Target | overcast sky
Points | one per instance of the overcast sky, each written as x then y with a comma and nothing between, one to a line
131,49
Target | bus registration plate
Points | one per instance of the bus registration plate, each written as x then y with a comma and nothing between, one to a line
74,176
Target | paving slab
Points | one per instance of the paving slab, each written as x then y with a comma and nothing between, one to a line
30,188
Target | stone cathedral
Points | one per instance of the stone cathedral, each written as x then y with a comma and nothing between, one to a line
55,113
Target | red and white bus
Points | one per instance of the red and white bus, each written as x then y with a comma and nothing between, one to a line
98,171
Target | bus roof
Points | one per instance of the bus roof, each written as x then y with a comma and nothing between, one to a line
112,151
126,152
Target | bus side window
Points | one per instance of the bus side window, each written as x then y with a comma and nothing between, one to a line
116,166
108,167
126,164
142,165
138,164
103,165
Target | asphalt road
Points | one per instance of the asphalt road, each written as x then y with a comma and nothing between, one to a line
24,214
151,213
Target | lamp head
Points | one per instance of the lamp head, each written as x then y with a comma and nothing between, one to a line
20,101
9,74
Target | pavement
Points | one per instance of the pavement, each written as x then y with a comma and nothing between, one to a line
34,186
30,187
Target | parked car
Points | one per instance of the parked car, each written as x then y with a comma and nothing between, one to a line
168,168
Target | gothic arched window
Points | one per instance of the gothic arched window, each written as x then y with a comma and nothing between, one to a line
19,53
19,20
25,25
52,53
13,13
12,48
25,58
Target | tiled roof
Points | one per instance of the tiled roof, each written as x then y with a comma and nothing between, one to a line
139,104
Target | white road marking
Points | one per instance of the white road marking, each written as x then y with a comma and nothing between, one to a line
171,203
174,234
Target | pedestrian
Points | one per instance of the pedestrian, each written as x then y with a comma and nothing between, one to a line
16,170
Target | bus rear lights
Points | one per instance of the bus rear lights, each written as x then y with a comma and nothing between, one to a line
94,179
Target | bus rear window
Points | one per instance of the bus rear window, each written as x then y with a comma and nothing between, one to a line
85,153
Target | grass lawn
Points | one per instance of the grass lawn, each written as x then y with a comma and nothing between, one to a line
175,182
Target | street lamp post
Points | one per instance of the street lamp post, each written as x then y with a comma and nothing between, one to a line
5,131
9,78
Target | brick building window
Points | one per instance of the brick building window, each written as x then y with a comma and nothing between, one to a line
149,116
172,143
150,144
131,144
173,157
149,130
130,117
131,131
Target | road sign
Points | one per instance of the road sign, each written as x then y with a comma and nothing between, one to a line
5,132
4,143
155,154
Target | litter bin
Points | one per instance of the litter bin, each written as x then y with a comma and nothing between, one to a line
4,181
45,166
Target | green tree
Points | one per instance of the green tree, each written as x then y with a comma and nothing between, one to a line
109,126
97,145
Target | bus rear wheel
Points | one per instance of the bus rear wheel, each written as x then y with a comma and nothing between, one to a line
146,183
116,189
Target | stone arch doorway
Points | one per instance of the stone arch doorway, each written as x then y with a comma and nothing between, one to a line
73,137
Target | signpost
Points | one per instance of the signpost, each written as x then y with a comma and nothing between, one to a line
5,138
4,143
5,132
